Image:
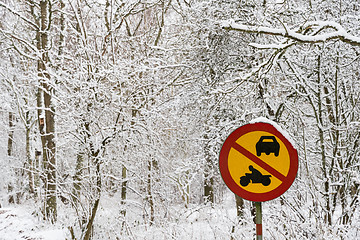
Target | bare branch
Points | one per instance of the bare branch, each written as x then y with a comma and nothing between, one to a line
26,43
36,27
339,32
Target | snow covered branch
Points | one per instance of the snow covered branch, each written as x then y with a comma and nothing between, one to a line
310,32
31,23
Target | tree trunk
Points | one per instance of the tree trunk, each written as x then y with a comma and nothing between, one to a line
11,134
322,145
30,168
239,206
208,185
208,176
77,178
90,224
37,171
9,151
150,197
49,152
46,115
123,191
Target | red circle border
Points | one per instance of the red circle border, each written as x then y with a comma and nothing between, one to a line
233,186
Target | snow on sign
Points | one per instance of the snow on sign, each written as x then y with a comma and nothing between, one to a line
257,162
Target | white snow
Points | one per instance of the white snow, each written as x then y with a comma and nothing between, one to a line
18,223
338,31
269,46
277,126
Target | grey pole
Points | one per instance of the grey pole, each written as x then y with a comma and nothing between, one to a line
258,221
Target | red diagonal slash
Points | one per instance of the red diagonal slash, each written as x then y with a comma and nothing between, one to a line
259,162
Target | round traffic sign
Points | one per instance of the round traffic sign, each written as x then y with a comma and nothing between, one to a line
257,162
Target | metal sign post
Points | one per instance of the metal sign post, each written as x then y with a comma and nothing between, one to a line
258,221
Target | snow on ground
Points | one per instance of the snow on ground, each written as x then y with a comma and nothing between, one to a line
18,224
198,222
281,220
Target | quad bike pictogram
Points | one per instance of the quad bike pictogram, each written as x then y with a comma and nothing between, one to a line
255,177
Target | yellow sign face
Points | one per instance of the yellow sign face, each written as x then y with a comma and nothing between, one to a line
239,164
257,162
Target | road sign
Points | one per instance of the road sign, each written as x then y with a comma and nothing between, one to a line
257,162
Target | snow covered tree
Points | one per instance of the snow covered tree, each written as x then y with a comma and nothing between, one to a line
310,55
143,94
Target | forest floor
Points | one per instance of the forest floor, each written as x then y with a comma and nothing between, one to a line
18,223
198,222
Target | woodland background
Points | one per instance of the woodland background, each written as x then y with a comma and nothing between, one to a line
113,113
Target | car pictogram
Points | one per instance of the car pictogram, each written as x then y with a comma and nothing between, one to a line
267,145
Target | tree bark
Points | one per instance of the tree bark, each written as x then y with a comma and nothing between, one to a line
9,151
208,176
11,133
77,178
150,197
239,206
123,190
90,224
322,144
30,168
46,115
